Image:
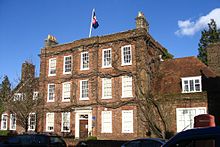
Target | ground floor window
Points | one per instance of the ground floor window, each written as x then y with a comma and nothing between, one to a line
32,122
185,117
50,122
65,127
4,122
12,121
127,121
106,122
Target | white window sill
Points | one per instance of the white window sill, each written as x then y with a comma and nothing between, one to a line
106,98
65,100
51,75
84,99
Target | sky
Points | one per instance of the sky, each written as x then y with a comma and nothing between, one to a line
25,24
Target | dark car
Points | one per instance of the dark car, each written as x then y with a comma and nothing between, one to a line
34,140
144,142
198,137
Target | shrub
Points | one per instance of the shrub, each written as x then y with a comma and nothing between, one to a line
4,132
91,138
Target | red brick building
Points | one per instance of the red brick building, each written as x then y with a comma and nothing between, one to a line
92,86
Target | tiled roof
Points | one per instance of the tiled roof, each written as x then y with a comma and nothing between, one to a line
172,70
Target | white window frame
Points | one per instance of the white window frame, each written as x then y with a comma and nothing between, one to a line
106,122
48,123
82,61
48,93
66,91
67,123
65,65
123,55
181,119
127,121
4,121
18,97
127,88
51,68
105,62
32,124
106,88
12,121
35,95
82,90
193,79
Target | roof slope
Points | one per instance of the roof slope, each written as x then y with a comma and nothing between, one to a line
172,70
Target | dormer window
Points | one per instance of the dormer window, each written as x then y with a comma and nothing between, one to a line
191,84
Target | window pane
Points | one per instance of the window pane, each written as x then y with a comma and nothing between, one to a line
84,89
106,122
66,91
126,86
52,66
67,64
126,55
51,92
50,122
127,121
107,58
66,121
107,88
191,83
85,60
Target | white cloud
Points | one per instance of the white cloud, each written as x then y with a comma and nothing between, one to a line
189,28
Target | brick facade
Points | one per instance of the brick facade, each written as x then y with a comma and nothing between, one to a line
149,75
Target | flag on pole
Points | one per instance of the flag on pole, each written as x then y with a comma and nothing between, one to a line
95,23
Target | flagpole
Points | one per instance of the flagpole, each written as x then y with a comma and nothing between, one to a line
90,31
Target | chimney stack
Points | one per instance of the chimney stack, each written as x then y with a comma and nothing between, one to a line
213,57
50,41
28,71
141,21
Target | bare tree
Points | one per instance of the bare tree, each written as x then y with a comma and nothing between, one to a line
26,104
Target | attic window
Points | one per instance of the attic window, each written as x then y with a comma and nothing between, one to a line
191,84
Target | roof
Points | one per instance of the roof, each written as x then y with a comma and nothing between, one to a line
195,134
172,70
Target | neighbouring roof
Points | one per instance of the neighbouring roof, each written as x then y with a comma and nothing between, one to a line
172,70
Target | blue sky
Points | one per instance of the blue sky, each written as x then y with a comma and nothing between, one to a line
25,24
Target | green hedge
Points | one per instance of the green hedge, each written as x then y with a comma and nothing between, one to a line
4,132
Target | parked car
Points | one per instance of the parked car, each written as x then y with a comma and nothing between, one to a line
198,137
144,142
34,140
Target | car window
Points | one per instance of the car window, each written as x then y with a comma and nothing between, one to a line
55,140
13,140
25,139
38,139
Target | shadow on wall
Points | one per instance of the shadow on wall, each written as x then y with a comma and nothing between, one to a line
212,86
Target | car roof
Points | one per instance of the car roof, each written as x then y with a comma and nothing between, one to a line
195,133
162,141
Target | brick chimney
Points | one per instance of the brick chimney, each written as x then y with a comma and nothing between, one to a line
50,41
213,57
28,71
141,21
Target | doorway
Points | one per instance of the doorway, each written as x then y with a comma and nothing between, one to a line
83,126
